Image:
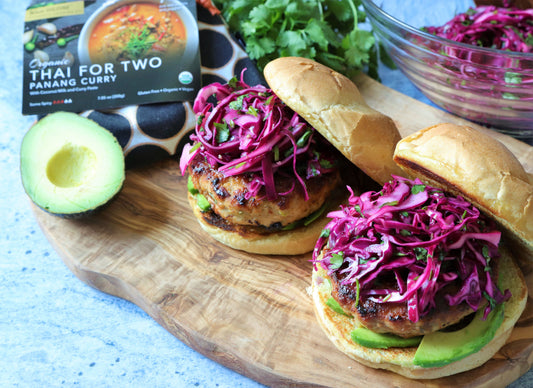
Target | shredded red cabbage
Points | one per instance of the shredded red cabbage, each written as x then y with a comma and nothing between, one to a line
501,28
505,29
419,236
249,130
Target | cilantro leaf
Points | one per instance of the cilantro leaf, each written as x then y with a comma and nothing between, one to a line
327,31
336,260
417,189
293,41
222,134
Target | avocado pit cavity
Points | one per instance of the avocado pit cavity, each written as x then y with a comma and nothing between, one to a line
71,166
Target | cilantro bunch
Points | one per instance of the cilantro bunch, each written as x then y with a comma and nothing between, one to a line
327,31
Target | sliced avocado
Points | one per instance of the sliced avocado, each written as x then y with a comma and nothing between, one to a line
203,203
190,186
335,306
70,165
306,221
370,339
201,200
442,348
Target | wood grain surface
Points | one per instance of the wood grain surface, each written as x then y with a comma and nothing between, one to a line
251,313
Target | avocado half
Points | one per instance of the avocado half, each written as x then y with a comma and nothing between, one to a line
70,165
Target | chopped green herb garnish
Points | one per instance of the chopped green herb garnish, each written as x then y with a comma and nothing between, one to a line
238,103
223,133
510,96
357,292
513,78
195,147
421,253
486,254
336,260
417,189
139,43
302,141
325,233
252,111
326,163
233,82
276,153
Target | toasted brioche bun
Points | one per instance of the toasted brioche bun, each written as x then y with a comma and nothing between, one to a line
337,327
292,242
468,162
332,104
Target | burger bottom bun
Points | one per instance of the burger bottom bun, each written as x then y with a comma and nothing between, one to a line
337,328
292,242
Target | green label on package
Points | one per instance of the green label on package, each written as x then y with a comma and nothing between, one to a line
82,55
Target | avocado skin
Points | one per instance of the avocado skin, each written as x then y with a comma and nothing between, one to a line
84,214
442,348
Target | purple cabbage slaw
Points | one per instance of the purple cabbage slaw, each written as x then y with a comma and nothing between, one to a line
501,28
507,29
249,130
420,237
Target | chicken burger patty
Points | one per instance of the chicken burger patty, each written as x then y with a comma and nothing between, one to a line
410,260
393,317
230,204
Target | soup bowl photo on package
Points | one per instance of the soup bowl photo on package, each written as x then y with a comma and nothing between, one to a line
124,31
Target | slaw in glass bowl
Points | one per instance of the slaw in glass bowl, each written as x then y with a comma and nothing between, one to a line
485,85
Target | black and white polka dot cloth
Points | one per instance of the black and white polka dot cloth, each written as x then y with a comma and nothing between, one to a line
155,131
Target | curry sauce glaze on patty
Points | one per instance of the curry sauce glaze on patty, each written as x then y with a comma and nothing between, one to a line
230,208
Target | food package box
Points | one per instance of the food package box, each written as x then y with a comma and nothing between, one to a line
104,54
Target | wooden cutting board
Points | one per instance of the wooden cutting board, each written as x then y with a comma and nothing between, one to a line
251,313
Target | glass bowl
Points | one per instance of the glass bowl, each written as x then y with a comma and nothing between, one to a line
488,86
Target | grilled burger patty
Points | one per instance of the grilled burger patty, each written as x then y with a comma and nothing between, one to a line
227,196
393,317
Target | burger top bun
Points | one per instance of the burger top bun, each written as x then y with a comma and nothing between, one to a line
468,162
332,104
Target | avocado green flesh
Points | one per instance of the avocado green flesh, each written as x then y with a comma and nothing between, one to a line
370,339
306,221
203,203
439,348
190,186
442,348
70,165
335,306
201,200
436,349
